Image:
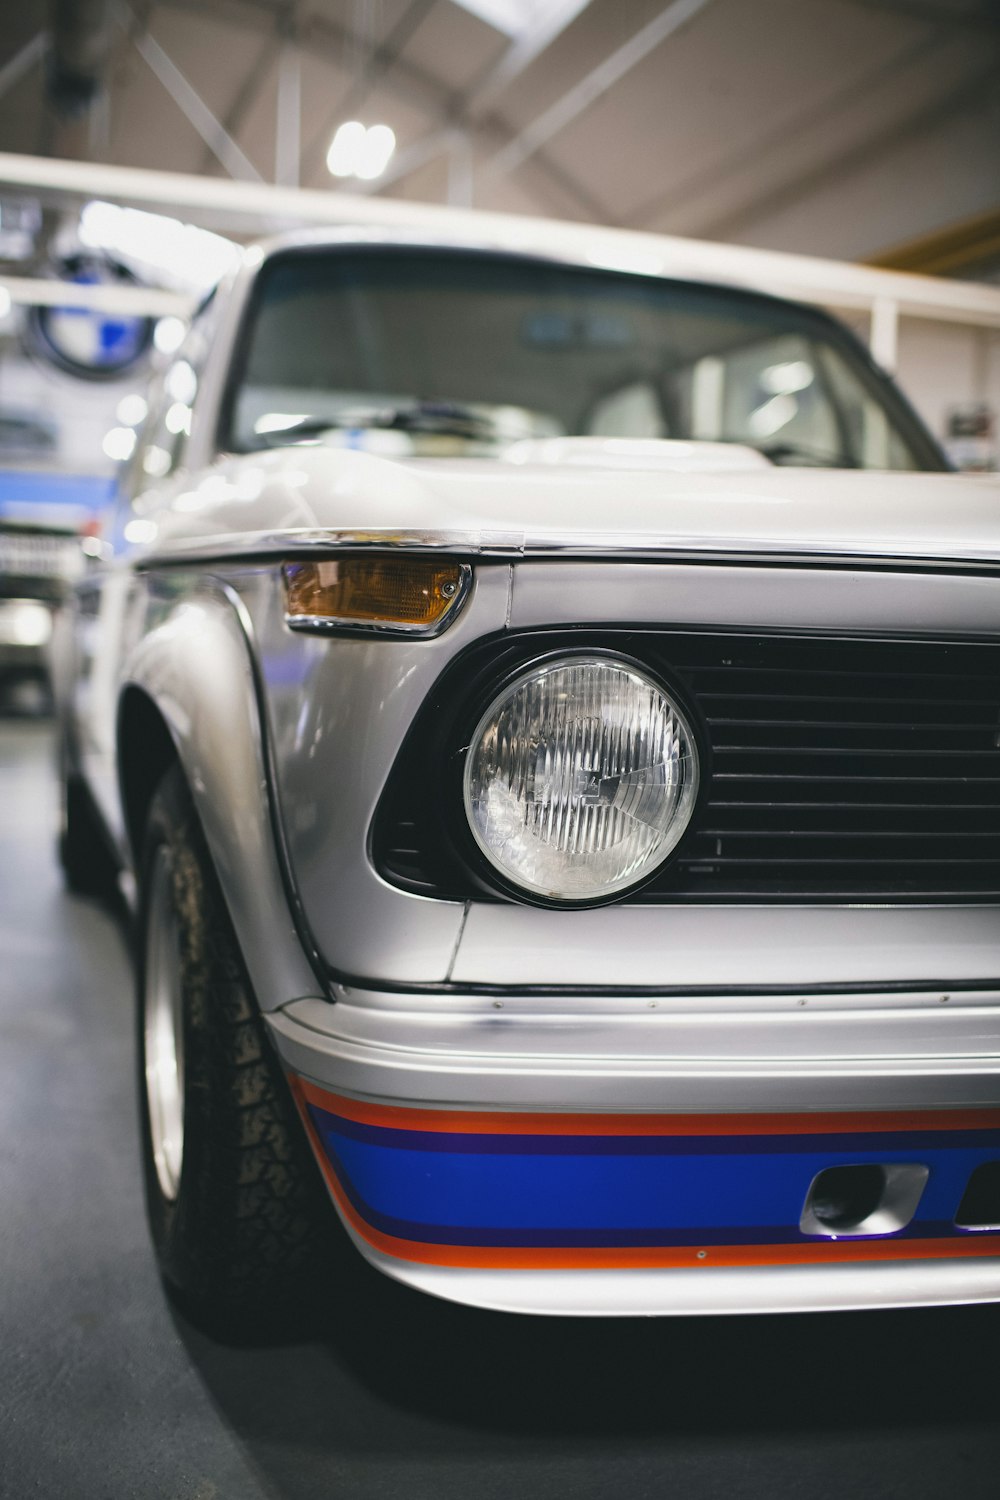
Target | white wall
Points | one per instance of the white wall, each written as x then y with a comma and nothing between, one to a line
945,364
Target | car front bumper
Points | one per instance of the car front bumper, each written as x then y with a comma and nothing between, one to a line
602,1157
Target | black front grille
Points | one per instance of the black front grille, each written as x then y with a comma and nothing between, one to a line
832,770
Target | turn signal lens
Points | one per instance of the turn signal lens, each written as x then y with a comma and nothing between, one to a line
411,595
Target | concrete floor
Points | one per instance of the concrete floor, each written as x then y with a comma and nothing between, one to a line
105,1391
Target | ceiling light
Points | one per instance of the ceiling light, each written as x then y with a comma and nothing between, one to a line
345,148
378,146
357,151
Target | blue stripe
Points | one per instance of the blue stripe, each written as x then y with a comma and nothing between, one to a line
39,487
600,1239
610,1191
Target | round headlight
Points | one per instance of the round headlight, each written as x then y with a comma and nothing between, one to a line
581,778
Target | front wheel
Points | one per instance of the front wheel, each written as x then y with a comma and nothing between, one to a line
235,1206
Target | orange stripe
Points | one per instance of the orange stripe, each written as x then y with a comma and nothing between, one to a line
489,1122
636,1258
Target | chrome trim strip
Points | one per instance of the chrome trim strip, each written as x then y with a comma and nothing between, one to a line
236,547
720,1290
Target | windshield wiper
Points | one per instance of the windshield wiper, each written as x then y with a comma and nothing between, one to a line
820,457
447,418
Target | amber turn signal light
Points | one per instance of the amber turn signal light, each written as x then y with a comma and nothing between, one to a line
407,595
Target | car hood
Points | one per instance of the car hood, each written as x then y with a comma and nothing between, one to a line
659,504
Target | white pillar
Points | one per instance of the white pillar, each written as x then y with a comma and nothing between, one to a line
883,338
288,125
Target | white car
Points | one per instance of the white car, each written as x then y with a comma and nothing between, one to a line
552,716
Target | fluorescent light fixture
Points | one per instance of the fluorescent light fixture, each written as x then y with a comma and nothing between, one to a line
360,151
517,18
180,254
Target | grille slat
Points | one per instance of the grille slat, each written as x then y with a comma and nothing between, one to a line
862,726
892,747
854,770
884,835
783,776
824,860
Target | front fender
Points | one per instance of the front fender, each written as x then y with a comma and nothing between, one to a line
195,665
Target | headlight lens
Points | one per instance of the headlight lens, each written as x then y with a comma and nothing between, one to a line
581,778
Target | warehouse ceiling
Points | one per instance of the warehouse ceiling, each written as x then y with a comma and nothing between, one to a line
838,127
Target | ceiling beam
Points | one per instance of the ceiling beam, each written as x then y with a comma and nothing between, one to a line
543,171
519,56
474,102
960,247
326,39
259,207
971,92
318,36
517,149
126,301
21,64
383,58
288,118
189,101
246,96
592,86
750,150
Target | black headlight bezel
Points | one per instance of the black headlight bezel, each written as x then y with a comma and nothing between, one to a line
429,769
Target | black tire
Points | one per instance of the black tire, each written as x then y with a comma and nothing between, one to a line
248,1218
84,852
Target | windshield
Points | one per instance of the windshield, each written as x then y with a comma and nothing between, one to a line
426,351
